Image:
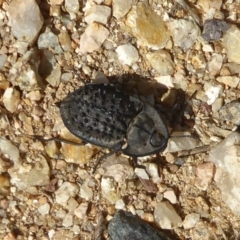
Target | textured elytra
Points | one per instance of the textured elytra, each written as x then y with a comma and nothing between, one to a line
107,117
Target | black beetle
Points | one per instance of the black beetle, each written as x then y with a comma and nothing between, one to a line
107,117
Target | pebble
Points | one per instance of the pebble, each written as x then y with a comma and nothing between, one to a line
3,60
119,204
85,191
76,154
44,209
81,210
20,12
27,175
72,6
152,170
216,106
147,26
127,54
97,13
165,216
93,37
226,158
231,81
121,7
66,77
54,78
183,143
230,113
68,220
165,80
231,41
109,190
65,41
215,64
10,150
169,194
191,220
213,29
205,172
48,40
161,61
11,99
184,33
125,225
65,192
24,72
4,185
212,91
141,173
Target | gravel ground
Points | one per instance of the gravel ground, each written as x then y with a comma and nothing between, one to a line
47,189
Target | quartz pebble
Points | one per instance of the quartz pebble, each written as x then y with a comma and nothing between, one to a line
231,41
85,191
44,209
20,12
68,220
121,8
161,61
227,160
127,54
184,33
65,192
169,194
231,81
26,175
212,91
119,204
97,13
81,210
141,173
3,59
165,216
11,99
215,64
72,6
109,191
191,220
12,152
205,173
147,26
93,37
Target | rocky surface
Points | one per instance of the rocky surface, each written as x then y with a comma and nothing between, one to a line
49,48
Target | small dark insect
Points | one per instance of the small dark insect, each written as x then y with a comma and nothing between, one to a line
107,117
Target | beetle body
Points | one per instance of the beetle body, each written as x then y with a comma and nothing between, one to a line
107,117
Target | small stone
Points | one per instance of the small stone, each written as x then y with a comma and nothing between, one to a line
169,194
48,40
98,13
125,225
66,77
12,152
152,170
68,220
231,81
215,64
93,37
231,41
191,220
3,60
81,211
165,216
165,80
121,8
230,113
119,204
127,54
147,26
180,144
213,29
52,149
11,99
27,175
19,13
76,154
161,61
85,191
44,209
216,106
72,6
54,78
65,41
205,173
226,158
4,185
109,191
141,173
184,33
212,91
65,192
